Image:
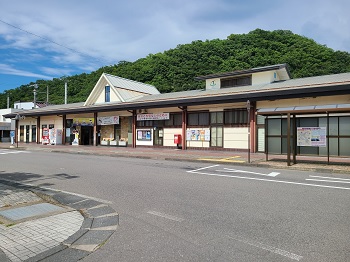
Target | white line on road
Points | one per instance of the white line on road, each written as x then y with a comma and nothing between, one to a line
11,152
327,180
335,178
269,180
269,248
178,219
272,174
193,171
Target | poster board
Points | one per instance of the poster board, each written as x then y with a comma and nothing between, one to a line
312,136
198,135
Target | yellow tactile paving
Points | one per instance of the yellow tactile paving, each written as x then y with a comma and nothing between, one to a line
232,159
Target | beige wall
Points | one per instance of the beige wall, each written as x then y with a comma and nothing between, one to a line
264,77
236,137
168,138
212,84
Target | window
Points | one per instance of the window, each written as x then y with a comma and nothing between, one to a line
236,117
198,119
240,81
174,120
107,94
216,118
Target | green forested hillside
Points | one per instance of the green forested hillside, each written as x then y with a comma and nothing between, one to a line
175,69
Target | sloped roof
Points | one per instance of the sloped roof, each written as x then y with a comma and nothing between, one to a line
124,89
302,87
132,85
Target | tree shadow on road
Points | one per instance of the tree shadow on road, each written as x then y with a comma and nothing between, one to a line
30,177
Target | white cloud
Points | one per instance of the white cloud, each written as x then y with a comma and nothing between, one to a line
98,33
6,69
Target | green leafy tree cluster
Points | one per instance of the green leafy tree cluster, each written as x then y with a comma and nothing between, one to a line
175,69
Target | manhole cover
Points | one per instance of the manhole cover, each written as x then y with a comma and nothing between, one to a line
20,213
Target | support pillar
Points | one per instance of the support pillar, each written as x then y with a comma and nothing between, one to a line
38,130
64,119
184,128
95,129
288,139
134,128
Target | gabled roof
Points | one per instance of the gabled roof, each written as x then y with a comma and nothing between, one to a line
124,89
132,85
295,88
282,68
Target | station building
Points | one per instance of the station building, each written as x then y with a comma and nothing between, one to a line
257,110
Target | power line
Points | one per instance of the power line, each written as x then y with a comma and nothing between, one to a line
53,42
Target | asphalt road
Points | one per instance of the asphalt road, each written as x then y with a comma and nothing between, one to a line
183,211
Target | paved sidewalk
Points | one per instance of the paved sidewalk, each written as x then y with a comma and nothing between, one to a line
80,226
307,163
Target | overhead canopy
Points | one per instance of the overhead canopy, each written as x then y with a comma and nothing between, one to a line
315,109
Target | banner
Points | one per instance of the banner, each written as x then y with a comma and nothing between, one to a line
107,120
160,116
83,121
311,136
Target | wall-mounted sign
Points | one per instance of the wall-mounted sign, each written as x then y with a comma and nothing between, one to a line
160,116
107,120
82,121
311,136
144,135
198,135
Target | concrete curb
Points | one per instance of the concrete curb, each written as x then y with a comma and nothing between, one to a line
100,222
255,163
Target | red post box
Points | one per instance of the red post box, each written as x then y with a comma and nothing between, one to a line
177,139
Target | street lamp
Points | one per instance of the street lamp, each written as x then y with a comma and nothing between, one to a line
248,110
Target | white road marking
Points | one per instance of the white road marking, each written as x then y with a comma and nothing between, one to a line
335,178
269,248
155,213
193,171
272,174
329,181
7,151
268,180
80,195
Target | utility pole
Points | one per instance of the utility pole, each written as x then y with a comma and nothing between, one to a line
47,95
65,92
8,101
34,91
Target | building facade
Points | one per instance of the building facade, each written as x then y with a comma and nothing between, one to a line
260,110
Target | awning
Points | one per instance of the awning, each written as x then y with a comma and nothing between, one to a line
315,109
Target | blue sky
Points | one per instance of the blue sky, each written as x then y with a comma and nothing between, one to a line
49,39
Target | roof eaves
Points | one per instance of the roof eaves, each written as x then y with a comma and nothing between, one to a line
245,72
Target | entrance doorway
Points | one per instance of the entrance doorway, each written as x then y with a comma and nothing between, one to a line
87,135
158,136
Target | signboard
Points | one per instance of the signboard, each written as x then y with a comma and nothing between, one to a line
311,136
107,120
160,116
198,135
45,136
144,135
83,121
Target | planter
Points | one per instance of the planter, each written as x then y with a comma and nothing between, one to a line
123,143
104,143
113,143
